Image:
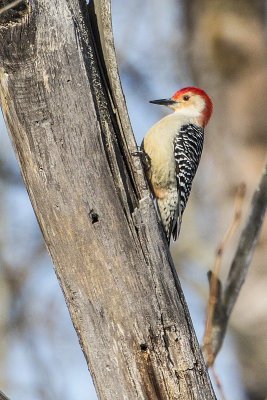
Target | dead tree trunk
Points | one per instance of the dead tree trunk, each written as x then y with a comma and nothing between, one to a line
65,112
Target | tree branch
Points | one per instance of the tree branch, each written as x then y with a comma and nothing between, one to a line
223,303
65,112
215,311
247,244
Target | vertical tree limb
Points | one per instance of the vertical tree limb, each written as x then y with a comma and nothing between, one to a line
70,131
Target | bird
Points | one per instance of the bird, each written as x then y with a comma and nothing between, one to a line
171,152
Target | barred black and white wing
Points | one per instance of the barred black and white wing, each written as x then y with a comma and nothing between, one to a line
188,145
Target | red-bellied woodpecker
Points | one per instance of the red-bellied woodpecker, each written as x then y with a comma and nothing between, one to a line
172,148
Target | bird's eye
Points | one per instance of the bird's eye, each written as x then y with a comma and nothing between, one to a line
186,97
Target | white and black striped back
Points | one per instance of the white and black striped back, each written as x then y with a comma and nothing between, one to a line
188,145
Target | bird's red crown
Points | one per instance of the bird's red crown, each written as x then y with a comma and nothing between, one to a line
193,90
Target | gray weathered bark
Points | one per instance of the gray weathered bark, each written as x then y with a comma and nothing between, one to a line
69,126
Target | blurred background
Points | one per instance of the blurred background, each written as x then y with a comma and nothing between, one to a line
218,45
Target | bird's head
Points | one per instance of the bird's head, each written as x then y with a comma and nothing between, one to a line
191,102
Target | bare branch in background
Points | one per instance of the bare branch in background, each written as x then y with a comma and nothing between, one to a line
215,285
220,305
218,383
246,244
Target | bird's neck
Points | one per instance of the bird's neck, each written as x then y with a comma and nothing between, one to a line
190,116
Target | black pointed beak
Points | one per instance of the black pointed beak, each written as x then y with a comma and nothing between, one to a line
164,102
